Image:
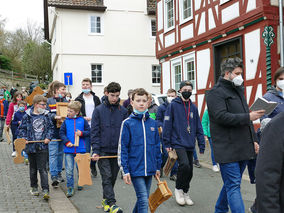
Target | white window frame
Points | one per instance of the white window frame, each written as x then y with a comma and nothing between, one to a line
155,84
175,62
151,35
89,24
187,58
93,83
182,19
166,16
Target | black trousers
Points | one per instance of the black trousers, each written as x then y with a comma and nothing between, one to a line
38,163
109,170
185,169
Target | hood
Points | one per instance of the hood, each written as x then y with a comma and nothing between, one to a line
31,110
274,92
139,116
72,118
106,102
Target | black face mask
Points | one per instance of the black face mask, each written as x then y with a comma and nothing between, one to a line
186,95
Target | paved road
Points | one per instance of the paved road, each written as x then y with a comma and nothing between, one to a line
15,186
205,188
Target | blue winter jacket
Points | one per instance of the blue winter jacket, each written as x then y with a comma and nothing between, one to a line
274,95
27,131
67,134
18,116
139,151
175,134
105,128
161,113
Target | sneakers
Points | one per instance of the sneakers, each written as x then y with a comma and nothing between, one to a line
55,182
173,177
179,197
60,178
26,161
105,206
45,193
14,154
196,163
187,199
215,168
80,188
70,192
115,209
34,191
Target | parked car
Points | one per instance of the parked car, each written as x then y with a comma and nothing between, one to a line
159,99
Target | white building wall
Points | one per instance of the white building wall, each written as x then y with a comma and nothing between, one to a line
126,48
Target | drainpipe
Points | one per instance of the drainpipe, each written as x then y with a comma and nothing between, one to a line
281,33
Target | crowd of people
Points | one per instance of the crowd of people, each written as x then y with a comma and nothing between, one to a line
140,134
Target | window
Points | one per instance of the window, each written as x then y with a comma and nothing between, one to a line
97,74
190,72
153,28
169,13
156,74
177,69
95,24
186,7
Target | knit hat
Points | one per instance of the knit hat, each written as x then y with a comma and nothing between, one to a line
185,83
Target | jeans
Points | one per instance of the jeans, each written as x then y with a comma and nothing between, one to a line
142,187
55,157
109,170
38,163
185,169
251,168
2,122
231,191
69,168
14,128
195,157
212,154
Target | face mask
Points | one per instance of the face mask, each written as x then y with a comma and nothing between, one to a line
140,113
60,95
86,91
68,98
186,95
169,99
40,110
22,108
75,116
1,96
280,84
238,80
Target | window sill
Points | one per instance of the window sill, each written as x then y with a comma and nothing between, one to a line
186,20
169,29
156,85
98,84
95,34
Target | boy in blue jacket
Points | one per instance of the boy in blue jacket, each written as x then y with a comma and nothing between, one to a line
181,128
4,105
36,125
73,125
139,150
105,129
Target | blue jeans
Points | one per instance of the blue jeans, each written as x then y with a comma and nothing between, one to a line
55,157
212,154
69,168
231,191
142,187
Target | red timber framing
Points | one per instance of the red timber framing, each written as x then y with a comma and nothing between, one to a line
267,14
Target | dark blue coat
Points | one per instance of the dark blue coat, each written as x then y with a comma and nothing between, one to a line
27,132
18,116
105,127
161,113
139,151
67,134
274,95
175,134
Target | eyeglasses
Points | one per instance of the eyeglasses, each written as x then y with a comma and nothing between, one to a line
42,104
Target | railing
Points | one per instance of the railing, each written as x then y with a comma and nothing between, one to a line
16,75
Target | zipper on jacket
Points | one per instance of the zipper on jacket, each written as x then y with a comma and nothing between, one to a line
74,133
145,157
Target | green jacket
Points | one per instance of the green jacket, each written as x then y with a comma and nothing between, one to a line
7,95
206,124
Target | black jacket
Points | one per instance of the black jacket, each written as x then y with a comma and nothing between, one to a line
80,98
232,131
270,168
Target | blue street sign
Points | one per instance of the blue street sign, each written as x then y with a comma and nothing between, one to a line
68,78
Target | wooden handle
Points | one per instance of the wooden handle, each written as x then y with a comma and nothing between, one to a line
41,141
112,156
158,179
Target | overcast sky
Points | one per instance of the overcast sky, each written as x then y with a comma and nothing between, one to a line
18,12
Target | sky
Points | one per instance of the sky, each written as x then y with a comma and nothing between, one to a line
18,12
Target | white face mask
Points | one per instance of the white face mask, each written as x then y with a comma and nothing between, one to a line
40,110
280,84
169,99
67,98
238,80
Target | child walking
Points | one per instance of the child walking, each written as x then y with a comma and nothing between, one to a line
3,112
37,125
139,150
73,125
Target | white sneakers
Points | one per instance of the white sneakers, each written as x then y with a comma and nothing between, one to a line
183,198
14,154
215,168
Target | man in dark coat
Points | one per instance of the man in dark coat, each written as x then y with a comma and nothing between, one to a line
232,132
270,167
